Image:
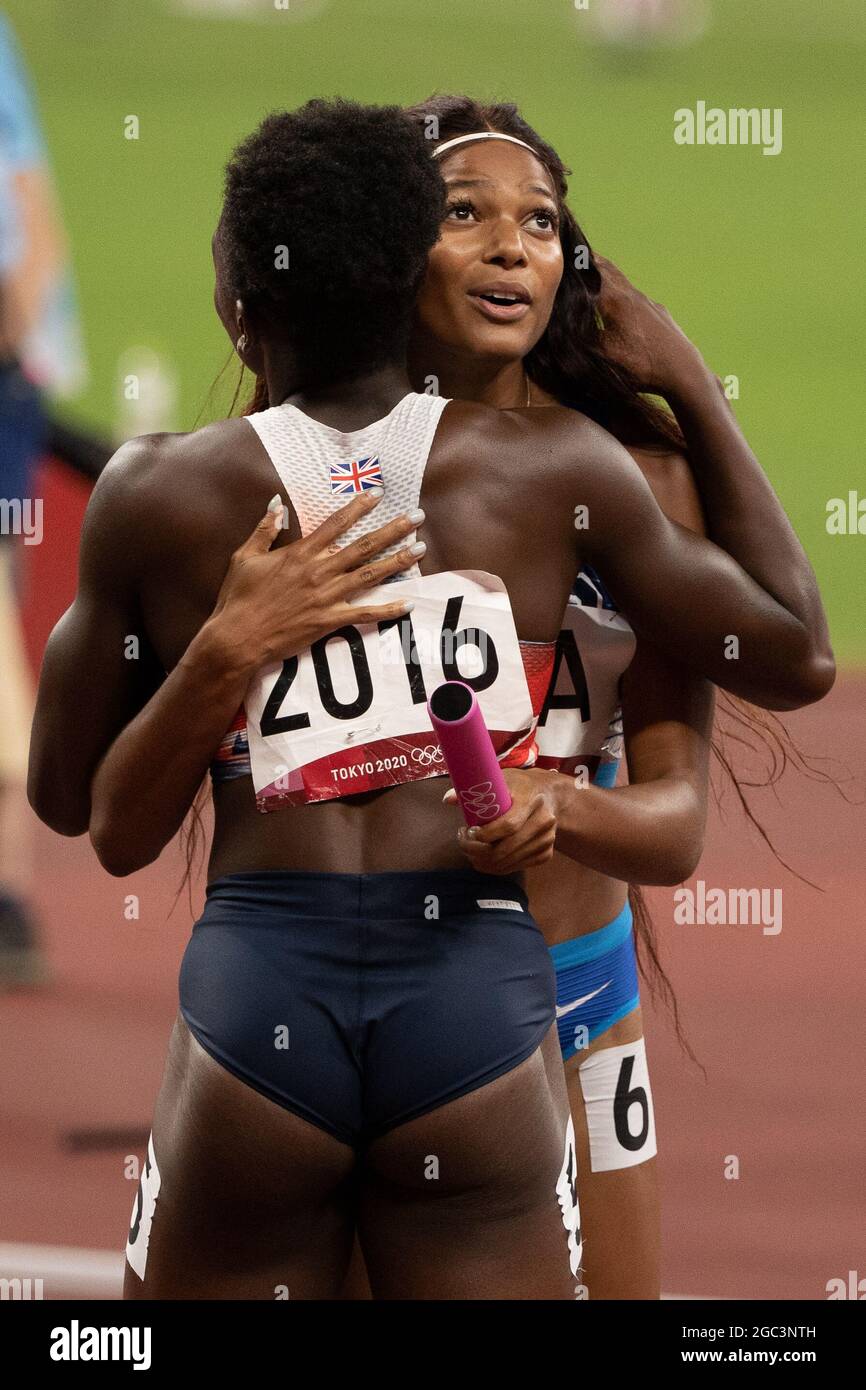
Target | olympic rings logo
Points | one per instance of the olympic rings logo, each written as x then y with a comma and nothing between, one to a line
481,800
427,756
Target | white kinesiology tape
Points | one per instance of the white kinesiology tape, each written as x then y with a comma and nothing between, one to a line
142,1213
566,1191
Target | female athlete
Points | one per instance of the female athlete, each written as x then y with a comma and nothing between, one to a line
366,1026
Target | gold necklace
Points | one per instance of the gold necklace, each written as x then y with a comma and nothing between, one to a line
528,388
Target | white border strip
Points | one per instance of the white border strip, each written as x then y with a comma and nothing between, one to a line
65,1270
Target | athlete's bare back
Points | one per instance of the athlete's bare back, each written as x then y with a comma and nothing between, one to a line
496,493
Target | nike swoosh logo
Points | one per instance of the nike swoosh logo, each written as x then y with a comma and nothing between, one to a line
569,1008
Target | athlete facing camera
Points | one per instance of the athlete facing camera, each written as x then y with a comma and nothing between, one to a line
366,1031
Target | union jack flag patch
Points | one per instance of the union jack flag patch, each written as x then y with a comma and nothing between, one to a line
359,475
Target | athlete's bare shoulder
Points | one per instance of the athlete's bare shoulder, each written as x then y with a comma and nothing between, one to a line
171,487
171,465
543,447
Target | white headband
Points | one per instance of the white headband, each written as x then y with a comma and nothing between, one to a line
483,135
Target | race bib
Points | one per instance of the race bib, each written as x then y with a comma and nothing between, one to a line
350,713
581,720
619,1107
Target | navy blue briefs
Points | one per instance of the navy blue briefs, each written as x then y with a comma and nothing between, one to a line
361,1001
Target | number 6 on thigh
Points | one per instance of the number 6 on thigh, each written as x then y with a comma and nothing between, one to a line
619,1107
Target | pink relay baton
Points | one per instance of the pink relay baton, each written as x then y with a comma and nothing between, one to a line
469,753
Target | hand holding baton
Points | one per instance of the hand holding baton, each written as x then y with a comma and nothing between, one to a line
469,753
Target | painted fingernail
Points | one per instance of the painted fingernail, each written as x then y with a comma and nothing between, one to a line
408,606
417,516
418,548
276,503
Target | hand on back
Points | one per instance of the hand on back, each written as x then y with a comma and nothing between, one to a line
275,603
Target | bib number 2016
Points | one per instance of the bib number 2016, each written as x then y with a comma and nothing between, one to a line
450,642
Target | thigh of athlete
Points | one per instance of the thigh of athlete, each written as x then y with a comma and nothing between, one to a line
253,1201
619,1206
462,1203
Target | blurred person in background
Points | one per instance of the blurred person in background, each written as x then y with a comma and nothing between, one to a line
641,26
40,351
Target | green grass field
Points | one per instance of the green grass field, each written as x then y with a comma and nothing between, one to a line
760,258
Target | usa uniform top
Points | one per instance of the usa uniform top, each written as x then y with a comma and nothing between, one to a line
580,727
